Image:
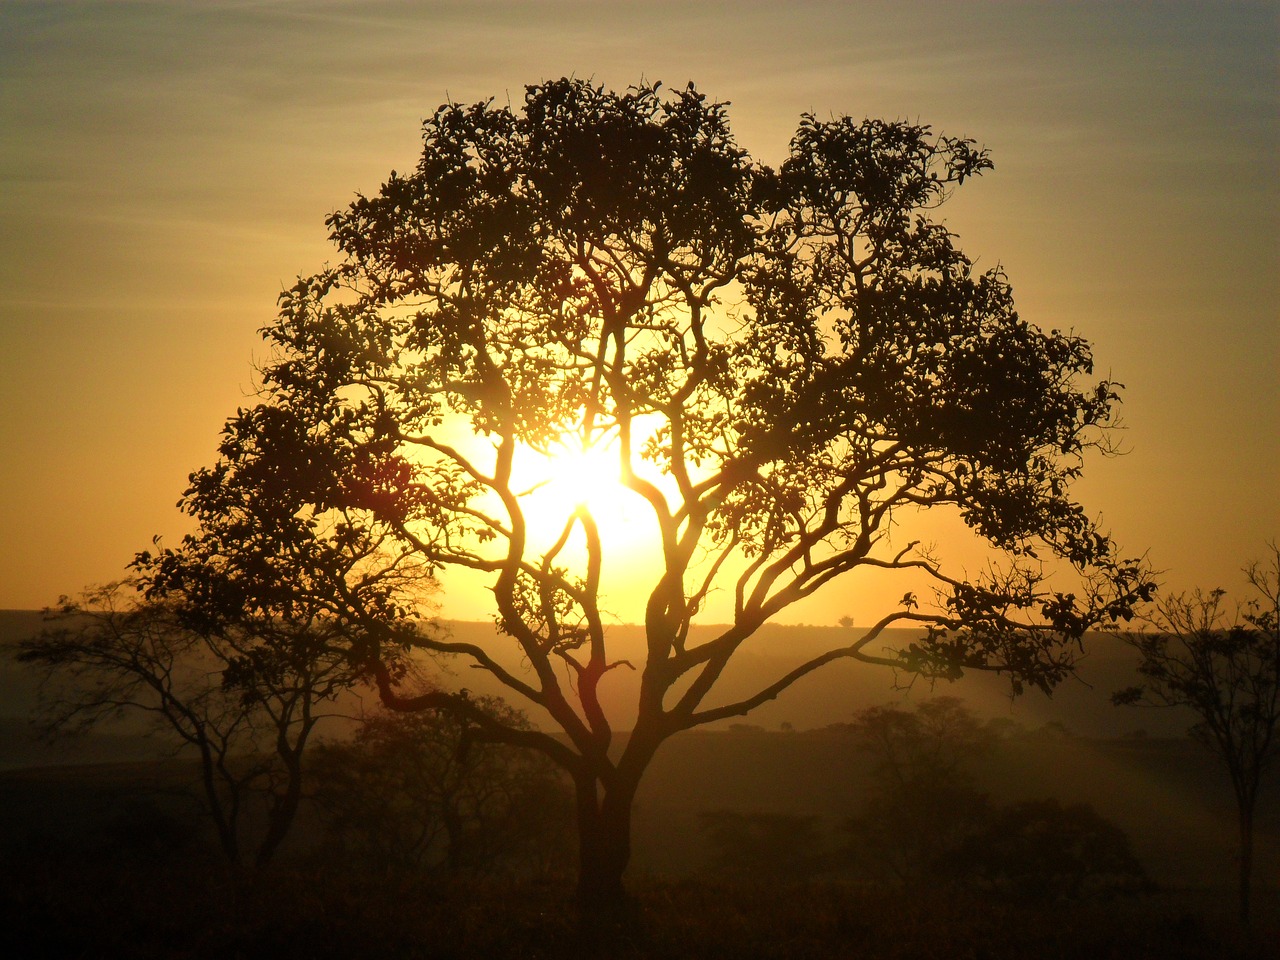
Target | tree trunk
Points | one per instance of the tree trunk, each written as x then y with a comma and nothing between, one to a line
1246,858
224,811
283,810
604,850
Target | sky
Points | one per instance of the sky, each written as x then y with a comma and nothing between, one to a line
166,168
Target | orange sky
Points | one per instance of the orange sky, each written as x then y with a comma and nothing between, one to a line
167,168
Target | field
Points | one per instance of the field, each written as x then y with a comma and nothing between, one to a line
112,860
324,914
107,852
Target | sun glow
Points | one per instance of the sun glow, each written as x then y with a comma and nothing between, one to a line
590,478
572,478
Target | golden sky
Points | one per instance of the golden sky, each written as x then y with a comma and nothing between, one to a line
166,167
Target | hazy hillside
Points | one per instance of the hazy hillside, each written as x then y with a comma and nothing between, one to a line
1169,795
829,695
1163,790
122,740
17,688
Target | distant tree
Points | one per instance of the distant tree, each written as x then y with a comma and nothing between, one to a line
1005,728
416,791
1225,667
931,743
245,703
923,804
1042,850
780,362
925,820
766,846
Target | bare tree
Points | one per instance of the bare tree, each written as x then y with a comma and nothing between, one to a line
245,702
1224,665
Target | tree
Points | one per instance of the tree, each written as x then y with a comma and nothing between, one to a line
413,791
924,804
246,702
925,819
1225,668
1042,850
780,363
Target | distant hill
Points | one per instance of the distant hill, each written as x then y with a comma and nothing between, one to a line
832,693
17,684
1167,793
21,746
17,625
827,696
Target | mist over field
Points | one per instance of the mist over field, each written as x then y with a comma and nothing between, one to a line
827,696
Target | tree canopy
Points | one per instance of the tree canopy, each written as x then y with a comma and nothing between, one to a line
781,361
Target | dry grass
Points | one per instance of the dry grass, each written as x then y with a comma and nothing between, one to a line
155,910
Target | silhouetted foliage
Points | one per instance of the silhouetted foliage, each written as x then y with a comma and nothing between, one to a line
414,791
780,359
245,702
1042,850
1226,670
926,821
764,845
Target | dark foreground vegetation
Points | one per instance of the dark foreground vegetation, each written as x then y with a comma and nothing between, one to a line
117,860
141,909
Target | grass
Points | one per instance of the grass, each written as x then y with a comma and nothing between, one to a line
156,909
107,861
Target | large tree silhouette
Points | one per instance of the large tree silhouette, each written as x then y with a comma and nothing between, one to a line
781,361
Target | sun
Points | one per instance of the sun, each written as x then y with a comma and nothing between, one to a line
570,476
555,486
588,478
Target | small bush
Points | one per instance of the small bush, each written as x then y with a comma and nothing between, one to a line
1041,850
